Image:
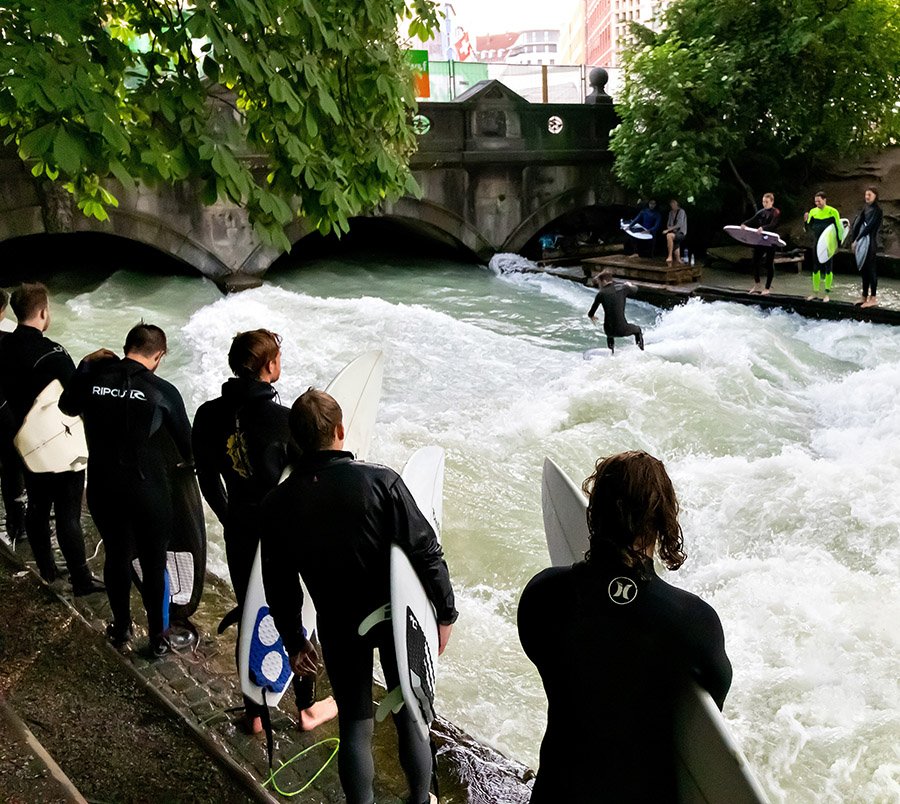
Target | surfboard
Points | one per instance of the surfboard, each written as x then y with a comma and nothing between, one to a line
186,554
751,237
827,244
48,440
635,230
862,251
711,767
412,615
263,663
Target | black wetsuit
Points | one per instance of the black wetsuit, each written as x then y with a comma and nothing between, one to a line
768,220
241,439
868,222
613,651
334,520
12,480
128,411
28,363
612,297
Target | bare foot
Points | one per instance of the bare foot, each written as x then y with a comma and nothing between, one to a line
317,714
861,302
252,725
764,292
754,289
826,298
870,302
668,261
812,298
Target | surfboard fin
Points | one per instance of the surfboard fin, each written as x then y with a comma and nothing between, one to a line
393,702
380,615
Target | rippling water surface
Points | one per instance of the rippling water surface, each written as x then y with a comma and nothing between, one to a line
782,437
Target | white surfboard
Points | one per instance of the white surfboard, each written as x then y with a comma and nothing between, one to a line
752,237
862,251
635,230
262,661
412,615
827,244
48,440
711,767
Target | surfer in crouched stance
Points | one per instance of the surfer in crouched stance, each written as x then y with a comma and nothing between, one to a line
240,449
128,411
615,644
612,297
333,521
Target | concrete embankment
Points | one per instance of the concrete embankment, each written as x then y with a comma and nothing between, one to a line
128,728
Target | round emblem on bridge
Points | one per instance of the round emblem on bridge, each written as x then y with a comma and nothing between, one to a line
555,124
622,590
421,124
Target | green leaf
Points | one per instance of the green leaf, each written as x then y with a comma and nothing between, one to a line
68,152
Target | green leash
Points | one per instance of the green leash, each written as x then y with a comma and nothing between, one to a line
277,789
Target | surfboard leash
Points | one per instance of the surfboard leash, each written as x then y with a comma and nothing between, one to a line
273,773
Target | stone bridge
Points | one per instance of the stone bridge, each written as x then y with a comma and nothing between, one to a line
494,170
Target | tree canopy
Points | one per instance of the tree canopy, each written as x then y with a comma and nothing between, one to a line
269,103
788,79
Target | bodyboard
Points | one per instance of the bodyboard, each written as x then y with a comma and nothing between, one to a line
48,440
636,231
827,244
862,251
413,617
751,237
261,657
711,768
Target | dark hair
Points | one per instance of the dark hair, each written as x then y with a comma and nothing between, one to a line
4,299
632,508
872,189
605,276
314,417
251,351
29,299
145,339
821,194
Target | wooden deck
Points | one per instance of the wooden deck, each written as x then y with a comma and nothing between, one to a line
633,267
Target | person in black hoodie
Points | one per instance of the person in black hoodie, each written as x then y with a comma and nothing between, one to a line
29,361
128,412
240,448
867,224
12,482
615,644
333,521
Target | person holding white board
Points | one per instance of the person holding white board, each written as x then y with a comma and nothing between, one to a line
614,644
333,521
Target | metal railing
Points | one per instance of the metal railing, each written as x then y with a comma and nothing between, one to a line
537,83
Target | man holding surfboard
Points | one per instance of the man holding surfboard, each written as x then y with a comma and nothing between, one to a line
241,449
615,644
334,521
765,219
29,362
864,244
128,413
824,224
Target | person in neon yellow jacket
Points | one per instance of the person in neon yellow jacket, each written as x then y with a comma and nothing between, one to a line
817,220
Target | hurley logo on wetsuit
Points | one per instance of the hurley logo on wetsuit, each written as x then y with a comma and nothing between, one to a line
622,590
121,393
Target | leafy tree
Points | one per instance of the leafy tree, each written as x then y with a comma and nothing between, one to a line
786,79
287,107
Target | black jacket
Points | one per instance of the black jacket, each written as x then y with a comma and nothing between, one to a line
28,363
766,218
240,438
127,409
613,650
333,521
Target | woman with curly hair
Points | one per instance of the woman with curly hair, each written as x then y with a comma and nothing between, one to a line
615,644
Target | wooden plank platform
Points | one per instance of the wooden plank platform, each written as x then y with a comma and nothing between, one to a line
655,271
